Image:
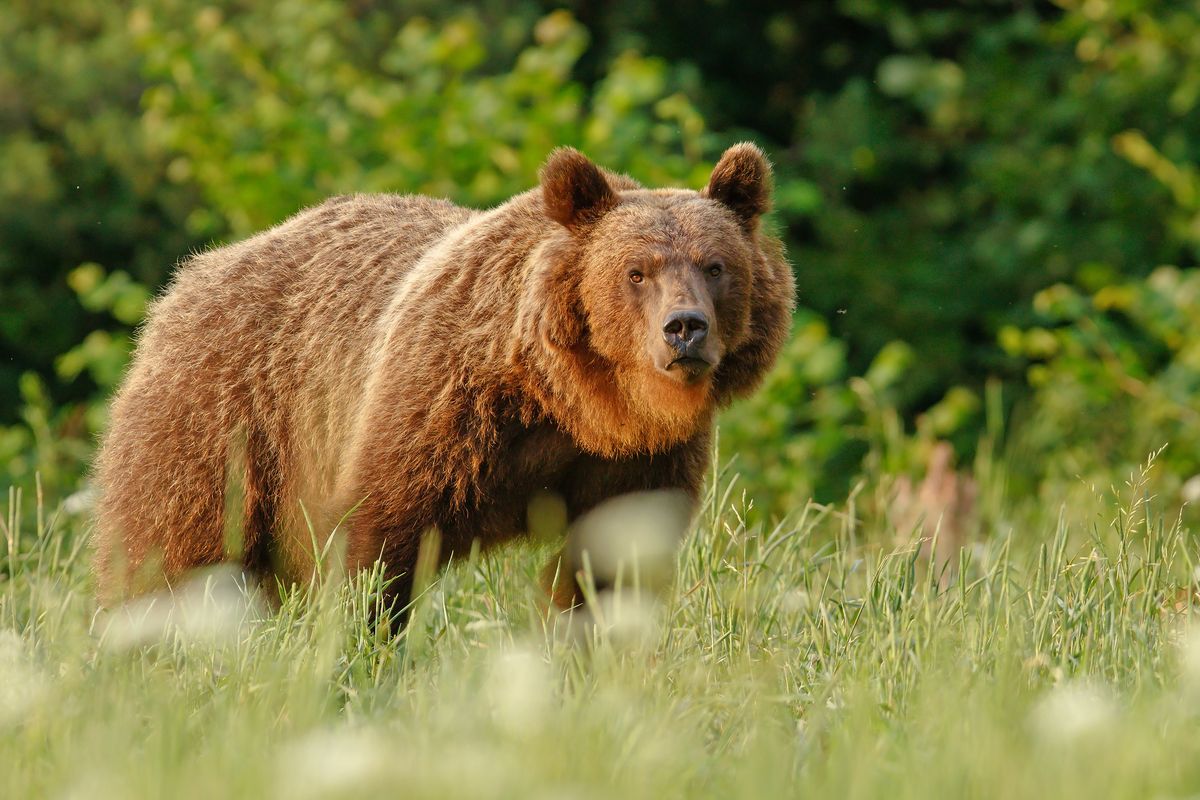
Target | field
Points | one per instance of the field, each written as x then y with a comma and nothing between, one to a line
819,657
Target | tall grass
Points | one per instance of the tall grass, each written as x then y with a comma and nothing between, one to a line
813,657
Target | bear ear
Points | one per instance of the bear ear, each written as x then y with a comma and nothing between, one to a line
741,180
574,190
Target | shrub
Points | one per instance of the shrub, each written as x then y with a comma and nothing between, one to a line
1114,370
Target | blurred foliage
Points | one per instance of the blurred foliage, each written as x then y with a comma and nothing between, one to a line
938,167
80,183
1115,373
277,106
814,426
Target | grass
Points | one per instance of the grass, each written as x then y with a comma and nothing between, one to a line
813,658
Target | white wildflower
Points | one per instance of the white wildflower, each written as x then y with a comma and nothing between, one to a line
1190,491
1189,656
634,538
80,502
1071,711
627,619
333,761
22,684
213,607
518,689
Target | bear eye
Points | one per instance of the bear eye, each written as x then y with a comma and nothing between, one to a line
714,270
636,277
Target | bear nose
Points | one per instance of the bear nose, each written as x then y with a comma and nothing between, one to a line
685,328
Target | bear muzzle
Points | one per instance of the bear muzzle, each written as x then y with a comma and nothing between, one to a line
685,332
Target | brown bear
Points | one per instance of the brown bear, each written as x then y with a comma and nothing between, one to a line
389,364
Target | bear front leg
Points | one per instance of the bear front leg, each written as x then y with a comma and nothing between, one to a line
592,481
405,467
376,534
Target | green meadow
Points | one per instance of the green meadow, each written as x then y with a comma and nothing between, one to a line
820,656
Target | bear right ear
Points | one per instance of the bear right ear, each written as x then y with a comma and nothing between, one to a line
574,190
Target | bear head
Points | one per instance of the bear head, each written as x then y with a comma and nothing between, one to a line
648,292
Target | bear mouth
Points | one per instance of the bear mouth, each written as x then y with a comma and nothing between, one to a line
692,366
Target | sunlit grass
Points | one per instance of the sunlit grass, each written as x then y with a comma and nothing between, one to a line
808,658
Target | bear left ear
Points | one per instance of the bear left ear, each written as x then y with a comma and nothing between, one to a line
574,190
742,181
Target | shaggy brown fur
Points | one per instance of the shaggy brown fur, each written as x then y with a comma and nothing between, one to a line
434,366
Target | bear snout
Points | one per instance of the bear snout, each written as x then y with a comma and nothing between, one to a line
689,353
686,329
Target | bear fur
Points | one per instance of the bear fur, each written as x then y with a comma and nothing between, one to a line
391,364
